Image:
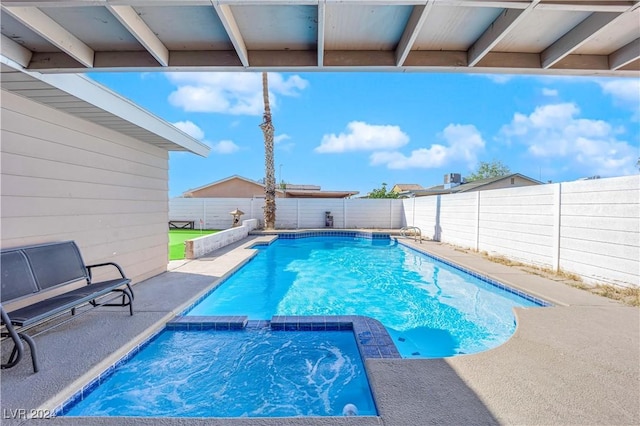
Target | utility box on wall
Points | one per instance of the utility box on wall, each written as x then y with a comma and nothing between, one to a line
328,220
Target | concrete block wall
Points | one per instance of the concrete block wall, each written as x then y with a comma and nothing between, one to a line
423,212
458,219
200,246
519,223
213,212
600,229
291,213
589,228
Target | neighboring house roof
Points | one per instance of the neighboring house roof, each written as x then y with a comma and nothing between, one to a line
320,194
297,191
218,182
399,187
476,185
84,98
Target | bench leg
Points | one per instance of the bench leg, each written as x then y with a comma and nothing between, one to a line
34,353
127,293
18,347
16,354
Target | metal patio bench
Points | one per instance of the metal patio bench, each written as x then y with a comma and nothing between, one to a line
34,271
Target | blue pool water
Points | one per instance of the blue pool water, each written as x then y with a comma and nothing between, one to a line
429,308
244,373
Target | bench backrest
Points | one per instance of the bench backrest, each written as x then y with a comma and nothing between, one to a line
30,269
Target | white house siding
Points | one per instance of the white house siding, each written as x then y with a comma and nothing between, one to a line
600,233
518,223
64,178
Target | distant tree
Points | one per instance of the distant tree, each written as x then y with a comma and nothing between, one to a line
382,192
488,170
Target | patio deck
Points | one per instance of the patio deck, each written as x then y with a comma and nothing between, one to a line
575,363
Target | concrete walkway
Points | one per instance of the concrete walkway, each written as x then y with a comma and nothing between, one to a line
575,363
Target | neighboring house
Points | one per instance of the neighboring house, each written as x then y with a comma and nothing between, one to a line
399,188
453,184
82,163
230,187
240,187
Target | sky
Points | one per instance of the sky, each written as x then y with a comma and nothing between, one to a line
355,131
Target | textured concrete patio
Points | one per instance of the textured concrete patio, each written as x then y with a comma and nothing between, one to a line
575,363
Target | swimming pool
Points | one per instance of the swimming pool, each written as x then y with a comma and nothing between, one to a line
431,309
248,372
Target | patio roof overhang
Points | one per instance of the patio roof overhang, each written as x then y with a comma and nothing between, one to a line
84,98
596,37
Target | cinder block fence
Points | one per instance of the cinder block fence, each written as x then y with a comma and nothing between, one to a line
589,228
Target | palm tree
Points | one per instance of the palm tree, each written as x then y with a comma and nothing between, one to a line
269,181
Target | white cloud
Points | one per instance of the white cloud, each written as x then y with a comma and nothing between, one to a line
230,93
280,144
625,92
499,78
224,147
463,142
190,128
626,89
556,132
279,138
549,92
362,136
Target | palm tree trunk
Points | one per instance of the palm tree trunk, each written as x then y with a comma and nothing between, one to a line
269,181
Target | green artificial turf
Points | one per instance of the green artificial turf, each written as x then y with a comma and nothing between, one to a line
177,237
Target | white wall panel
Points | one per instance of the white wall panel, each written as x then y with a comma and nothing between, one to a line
458,219
422,212
518,223
291,213
600,234
588,228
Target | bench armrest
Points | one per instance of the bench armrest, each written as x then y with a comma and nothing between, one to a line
89,267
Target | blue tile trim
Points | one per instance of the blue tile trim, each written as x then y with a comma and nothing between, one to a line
371,337
64,408
333,233
486,279
229,322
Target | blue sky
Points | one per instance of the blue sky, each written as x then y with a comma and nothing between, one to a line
354,131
